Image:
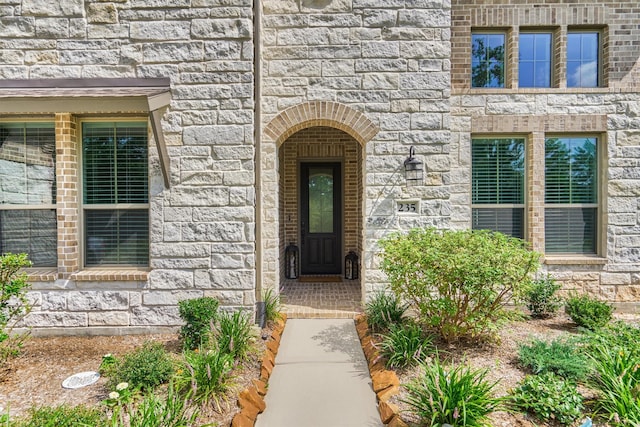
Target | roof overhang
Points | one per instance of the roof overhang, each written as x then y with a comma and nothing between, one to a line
92,96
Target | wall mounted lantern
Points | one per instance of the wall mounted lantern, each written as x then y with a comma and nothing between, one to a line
291,255
351,266
413,169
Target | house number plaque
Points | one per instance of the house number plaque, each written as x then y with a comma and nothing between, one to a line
408,207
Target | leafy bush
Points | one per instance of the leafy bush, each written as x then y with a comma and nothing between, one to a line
541,297
617,380
62,416
458,281
14,304
588,312
145,368
271,305
206,374
548,396
198,313
383,310
615,336
559,357
459,397
233,334
404,345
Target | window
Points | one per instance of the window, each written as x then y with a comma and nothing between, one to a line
571,195
115,193
488,60
535,60
583,59
498,185
28,191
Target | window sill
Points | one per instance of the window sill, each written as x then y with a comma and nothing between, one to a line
41,274
532,90
110,275
574,260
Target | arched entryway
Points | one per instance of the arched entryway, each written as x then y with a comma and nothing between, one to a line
320,156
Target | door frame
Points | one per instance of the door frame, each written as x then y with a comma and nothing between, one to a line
338,165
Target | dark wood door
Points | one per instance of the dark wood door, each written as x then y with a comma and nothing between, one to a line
321,216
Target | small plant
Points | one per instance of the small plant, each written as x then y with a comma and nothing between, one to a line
206,374
383,310
173,411
460,396
548,396
271,305
617,381
588,312
541,298
144,368
14,304
199,314
559,357
615,336
62,416
405,345
458,281
233,334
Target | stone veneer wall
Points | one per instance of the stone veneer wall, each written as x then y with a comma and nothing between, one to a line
203,228
388,60
611,113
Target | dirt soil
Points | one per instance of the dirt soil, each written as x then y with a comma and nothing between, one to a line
35,377
500,359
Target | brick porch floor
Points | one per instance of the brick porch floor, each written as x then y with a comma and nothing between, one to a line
329,300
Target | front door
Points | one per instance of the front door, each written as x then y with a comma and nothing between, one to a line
321,218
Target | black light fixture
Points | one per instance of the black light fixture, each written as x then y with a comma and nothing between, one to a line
351,266
291,261
413,169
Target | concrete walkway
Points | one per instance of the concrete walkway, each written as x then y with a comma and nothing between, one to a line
320,378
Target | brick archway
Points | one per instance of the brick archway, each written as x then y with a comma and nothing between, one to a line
320,113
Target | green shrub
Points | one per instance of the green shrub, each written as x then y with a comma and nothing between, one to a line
459,397
615,336
206,374
172,411
617,381
588,312
198,313
541,297
405,345
458,281
14,304
383,310
233,334
271,305
62,416
145,368
559,357
548,396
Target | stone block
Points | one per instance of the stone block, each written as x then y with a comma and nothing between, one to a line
102,13
221,29
108,318
251,395
97,300
51,320
231,298
17,27
615,278
67,8
169,297
384,379
53,301
387,411
161,30
155,316
241,420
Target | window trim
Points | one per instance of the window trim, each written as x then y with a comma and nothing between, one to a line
44,206
506,33
586,30
600,239
525,184
82,207
552,57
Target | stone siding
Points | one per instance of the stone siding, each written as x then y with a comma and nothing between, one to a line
202,238
609,112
